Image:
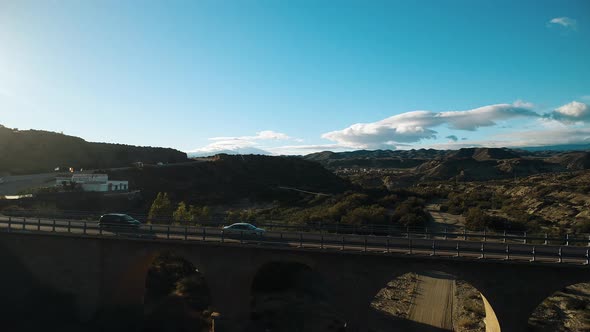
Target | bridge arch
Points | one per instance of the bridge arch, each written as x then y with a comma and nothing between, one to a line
567,308
429,297
290,293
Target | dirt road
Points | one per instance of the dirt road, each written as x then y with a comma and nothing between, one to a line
433,302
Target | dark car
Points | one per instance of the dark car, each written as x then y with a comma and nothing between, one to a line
118,221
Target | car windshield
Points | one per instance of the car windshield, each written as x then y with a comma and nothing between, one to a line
128,218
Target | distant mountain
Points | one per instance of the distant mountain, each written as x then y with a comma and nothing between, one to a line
466,163
36,151
249,150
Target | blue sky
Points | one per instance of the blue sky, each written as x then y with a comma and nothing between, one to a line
298,76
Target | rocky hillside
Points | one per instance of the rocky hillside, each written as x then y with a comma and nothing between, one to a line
35,151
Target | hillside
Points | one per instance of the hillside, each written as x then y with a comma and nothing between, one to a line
230,178
469,164
36,151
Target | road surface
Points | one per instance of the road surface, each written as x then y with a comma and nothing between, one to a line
433,301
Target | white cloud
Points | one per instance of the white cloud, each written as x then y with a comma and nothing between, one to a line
571,113
261,135
564,22
411,127
306,149
242,144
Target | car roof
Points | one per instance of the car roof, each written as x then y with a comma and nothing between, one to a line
115,214
242,223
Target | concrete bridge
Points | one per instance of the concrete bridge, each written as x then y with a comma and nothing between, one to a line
104,272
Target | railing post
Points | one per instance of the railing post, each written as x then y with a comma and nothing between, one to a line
433,248
185,233
533,253
321,241
241,237
84,228
342,243
484,235
483,251
525,241
458,253
365,243
387,244
587,257
408,234
205,233
9,224
410,246
507,252
25,223
559,260
223,236
546,239
504,237
464,234
567,239
445,233
168,232
69,226
38,224
426,232
300,240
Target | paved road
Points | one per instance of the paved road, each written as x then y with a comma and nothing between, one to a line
381,244
433,301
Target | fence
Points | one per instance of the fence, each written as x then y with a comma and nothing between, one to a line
452,232
310,241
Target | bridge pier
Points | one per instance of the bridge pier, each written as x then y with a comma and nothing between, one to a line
231,297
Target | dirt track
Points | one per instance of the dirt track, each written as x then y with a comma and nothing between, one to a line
433,302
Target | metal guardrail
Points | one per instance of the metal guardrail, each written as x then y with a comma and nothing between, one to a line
372,229
312,241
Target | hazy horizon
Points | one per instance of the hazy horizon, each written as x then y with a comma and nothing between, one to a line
302,77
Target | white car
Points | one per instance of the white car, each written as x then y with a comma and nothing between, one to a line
243,228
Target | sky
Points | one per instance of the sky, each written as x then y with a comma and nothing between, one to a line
295,77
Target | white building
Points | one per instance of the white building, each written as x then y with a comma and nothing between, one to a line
92,182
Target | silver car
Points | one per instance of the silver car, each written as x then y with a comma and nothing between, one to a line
243,228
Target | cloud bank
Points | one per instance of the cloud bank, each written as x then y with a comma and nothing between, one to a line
412,127
566,124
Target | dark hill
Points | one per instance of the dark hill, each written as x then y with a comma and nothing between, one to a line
573,160
36,151
230,178
485,153
375,158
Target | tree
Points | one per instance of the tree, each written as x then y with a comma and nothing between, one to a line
475,219
182,213
161,208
